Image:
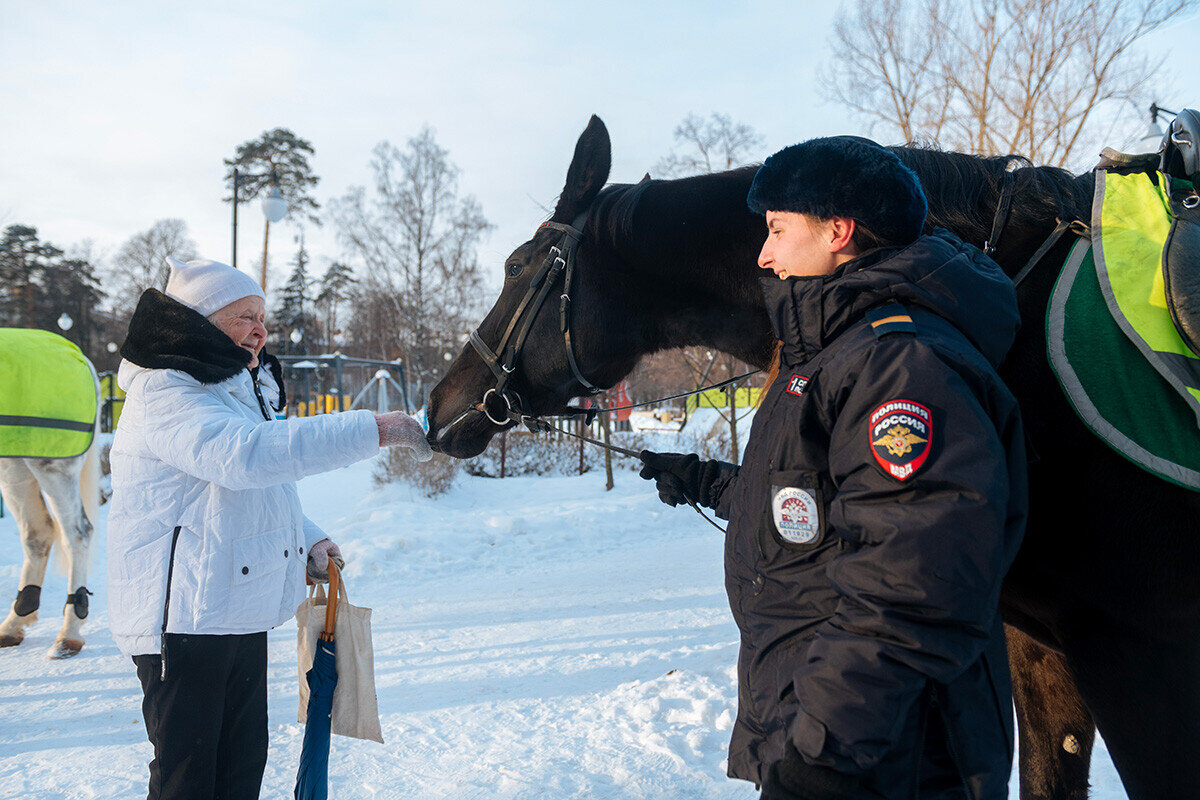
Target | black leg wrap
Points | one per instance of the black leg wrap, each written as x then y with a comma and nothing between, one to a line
28,600
80,600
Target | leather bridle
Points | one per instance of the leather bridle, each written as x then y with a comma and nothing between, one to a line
503,360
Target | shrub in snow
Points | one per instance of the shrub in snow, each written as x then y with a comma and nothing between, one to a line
550,454
431,478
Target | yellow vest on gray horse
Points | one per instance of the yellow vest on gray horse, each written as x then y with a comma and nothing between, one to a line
47,396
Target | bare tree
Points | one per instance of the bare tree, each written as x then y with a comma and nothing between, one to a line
415,240
709,145
141,263
1042,78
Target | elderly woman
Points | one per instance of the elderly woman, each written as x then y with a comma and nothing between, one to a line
207,544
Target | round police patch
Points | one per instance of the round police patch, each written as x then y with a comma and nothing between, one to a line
901,434
796,515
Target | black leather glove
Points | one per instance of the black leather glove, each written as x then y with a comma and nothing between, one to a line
679,477
793,778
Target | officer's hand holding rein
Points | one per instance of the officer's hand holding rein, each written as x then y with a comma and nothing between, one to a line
680,477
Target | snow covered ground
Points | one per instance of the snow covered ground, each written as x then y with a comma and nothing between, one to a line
534,638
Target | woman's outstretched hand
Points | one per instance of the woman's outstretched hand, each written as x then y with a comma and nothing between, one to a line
397,429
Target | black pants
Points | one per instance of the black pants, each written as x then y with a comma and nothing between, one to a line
208,719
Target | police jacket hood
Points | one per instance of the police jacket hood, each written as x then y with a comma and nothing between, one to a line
938,272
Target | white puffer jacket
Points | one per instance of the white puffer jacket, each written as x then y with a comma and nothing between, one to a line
204,498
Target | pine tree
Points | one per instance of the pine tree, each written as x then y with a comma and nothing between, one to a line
276,158
295,309
71,288
335,289
23,261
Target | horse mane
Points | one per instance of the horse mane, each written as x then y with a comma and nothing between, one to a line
963,190
610,219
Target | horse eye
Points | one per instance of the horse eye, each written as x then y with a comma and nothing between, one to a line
514,270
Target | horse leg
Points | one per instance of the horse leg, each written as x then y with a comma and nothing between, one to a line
59,480
1056,729
1144,694
24,497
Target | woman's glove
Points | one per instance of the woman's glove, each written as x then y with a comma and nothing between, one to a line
793,778
680,477
318,559
397,429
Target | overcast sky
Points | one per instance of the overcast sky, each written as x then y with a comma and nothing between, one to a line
117,114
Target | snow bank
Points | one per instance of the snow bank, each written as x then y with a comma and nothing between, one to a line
534,638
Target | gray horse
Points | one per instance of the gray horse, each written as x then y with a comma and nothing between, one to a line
52,497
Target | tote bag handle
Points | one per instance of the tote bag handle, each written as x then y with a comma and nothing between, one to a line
335,578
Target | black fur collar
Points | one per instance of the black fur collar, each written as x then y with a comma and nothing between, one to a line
166,334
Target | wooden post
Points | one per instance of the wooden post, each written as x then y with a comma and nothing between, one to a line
503,449
266,234
580,430
733,442
607,427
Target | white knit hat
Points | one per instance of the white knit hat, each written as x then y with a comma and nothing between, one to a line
207,286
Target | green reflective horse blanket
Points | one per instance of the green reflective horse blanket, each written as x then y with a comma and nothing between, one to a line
1120,394
47,396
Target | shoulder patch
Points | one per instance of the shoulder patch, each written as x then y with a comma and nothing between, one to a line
796,384
892,318
901,435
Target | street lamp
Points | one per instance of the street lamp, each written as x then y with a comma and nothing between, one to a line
296,336
1154,134
111,347
274,208
65,322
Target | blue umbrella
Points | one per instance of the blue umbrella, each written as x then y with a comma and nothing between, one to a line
312,779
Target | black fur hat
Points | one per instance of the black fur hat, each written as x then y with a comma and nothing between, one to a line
843,176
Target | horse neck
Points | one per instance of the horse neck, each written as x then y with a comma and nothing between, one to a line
689,268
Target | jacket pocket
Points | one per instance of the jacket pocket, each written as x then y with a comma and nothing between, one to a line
258,565
794,518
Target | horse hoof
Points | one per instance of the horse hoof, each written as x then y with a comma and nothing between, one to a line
12,639
65,648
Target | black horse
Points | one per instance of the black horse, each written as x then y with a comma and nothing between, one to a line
1103,602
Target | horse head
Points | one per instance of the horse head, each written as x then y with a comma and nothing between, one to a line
539,378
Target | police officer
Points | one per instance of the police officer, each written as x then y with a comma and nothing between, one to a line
881,497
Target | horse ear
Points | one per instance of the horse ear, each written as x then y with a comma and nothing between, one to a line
588,171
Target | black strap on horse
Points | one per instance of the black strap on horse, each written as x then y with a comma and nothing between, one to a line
1003,210
503,360
1078,227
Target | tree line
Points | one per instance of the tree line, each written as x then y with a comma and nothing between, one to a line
1049,80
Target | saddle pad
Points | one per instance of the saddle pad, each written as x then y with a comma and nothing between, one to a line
1117,393
47,396
1131,220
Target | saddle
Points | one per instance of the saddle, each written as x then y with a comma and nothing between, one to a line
47,396
1181,256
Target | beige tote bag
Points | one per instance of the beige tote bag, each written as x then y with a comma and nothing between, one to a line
355,707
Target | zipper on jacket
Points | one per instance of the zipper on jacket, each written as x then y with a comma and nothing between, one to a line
958,766
162,645
262,404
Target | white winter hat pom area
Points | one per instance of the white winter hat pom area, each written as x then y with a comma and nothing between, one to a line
207,286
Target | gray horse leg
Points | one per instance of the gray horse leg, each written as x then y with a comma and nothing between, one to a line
23,497
59,479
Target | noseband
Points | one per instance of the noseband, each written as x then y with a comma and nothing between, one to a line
504,359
